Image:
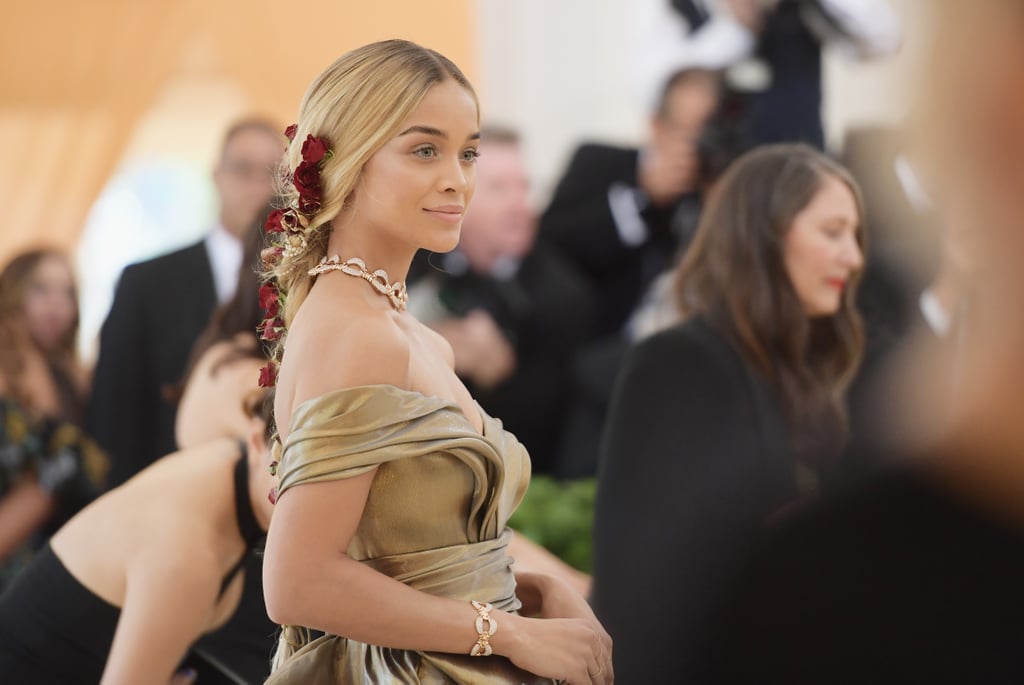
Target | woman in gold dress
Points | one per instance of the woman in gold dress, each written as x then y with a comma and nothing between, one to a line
389,532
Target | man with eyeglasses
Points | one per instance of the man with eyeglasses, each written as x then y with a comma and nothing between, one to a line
161,305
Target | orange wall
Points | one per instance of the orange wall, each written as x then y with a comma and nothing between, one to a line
77,78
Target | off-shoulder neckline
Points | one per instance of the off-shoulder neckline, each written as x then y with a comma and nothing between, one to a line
450,405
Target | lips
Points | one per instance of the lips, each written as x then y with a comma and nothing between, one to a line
446,209
837,283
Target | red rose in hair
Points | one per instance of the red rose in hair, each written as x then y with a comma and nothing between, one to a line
307,180
275,221
291,131
269,301
309,205
314,149
271,329
268,376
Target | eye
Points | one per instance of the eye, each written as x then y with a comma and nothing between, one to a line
426,152
470,155
834,232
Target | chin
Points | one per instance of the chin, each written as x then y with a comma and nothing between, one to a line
441,242
823,312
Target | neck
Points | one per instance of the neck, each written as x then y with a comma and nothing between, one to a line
378,252
259,488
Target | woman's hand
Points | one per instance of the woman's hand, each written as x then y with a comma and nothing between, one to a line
554,597
576,650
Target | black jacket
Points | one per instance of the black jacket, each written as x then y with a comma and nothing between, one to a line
160,308
580,223
695,460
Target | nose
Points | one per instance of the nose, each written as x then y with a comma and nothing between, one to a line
455,177
852,255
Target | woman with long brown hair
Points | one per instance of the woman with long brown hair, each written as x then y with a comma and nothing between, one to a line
720,423
913,576
49,469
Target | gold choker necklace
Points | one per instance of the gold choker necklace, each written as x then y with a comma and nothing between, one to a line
395,292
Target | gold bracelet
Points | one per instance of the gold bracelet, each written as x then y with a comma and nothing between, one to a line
484,632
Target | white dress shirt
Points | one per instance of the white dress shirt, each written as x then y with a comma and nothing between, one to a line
225,253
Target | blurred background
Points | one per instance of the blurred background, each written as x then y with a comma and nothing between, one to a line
111,111
705,340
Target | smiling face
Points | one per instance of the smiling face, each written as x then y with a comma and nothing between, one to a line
822,249
415,189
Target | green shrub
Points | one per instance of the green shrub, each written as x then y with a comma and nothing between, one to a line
560,516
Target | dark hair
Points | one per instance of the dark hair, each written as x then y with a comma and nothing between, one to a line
683,77
241,314
14,281
249,124
734,276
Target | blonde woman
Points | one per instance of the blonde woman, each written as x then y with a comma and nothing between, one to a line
394,486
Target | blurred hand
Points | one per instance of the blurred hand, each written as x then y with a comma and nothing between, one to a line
668,169
751,13
495,360
482,354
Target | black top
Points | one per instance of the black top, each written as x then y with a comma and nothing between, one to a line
248,526
695,461
897,581
48,613
160,308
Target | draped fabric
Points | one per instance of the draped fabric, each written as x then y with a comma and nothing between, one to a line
435,519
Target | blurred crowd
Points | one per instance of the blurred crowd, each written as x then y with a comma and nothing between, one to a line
727,327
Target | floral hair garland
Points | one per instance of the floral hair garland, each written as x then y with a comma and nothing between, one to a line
288,228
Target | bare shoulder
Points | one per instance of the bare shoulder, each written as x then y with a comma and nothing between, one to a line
332,352
437,342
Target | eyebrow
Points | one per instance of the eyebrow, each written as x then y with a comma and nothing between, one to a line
431,131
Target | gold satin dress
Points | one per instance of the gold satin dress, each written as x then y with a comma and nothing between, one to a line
434,520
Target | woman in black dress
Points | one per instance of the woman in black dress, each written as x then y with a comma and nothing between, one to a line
724,421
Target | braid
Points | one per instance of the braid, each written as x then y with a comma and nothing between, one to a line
291,640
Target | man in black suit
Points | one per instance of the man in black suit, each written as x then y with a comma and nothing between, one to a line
161,305
513,310
621,214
